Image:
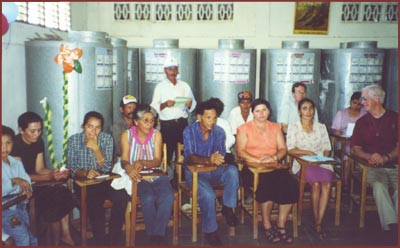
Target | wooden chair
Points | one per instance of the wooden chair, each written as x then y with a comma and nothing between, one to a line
135,222
193,213
253,209
339,153
334,199
363,199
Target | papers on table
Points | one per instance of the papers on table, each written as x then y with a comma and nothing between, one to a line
317,158
350,129
180,101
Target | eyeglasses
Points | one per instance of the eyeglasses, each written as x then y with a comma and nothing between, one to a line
300,92
148,120
363,98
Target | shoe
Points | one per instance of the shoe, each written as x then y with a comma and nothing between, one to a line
230,216
213,239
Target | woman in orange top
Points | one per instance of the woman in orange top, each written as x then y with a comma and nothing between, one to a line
261,141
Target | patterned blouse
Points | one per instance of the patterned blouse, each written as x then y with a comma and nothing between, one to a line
317,141
139,150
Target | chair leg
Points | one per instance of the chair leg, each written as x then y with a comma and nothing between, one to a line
255,218
127,224
294,220
300,203
133,226
176,223
338,200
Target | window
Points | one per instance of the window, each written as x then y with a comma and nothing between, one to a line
56,15
173,11
370,12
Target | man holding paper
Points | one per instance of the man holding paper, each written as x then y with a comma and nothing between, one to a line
173,99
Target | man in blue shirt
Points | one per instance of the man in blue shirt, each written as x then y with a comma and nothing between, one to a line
204,142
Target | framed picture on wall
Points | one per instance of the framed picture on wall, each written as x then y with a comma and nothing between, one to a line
311,18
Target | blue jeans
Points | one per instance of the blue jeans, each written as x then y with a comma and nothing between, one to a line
157,199
228,175
16,223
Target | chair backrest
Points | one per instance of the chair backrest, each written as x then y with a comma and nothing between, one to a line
179,152
164,158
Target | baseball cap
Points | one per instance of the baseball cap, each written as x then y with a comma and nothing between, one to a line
245,95
128,99
170,62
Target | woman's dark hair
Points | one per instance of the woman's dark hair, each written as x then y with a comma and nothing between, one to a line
7,131
356,96
302,101
206,105
260,101
93,114
218,104
27,118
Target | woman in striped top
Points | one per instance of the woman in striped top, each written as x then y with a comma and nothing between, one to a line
141,149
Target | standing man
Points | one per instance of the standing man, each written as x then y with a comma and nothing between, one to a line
288,112
375,138
127,107
173,99
204,142
241,114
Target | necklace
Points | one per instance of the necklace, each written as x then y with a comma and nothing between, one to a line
376,129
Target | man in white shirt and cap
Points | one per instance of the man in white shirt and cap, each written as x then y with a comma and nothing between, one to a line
173,99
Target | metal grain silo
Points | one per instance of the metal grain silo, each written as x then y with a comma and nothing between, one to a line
391,79
133,72
346,70
152,61
226,71
280,68
120,74
90,90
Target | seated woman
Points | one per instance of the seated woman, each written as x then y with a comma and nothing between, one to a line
340,123
90,154
141,149
29,148
14,181
262,141
306,137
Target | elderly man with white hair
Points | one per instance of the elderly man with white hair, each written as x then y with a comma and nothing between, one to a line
375,139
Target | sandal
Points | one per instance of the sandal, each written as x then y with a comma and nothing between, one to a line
272,235
320,232
284,236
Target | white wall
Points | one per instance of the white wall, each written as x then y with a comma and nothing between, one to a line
261,25
13,78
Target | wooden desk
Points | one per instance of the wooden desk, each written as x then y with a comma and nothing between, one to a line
195,168
362,198
304,163
83,183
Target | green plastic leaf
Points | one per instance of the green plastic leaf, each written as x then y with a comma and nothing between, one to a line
77,66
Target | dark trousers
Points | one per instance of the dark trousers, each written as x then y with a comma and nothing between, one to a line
120,200
172,133
95,197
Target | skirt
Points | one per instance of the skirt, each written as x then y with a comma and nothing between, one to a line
278,186
317,174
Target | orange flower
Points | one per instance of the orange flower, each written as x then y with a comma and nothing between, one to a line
67,58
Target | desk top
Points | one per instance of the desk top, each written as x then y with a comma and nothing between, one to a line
341,137
263,167
48,183
80,181
302,161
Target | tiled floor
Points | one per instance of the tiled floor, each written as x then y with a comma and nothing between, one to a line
346,234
